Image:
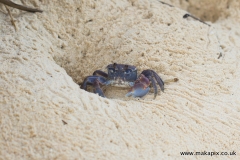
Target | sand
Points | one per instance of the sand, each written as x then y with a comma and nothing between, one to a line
45,115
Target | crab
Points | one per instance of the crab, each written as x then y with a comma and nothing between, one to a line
124,75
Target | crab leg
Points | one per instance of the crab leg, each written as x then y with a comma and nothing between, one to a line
101,73
97,88
159,80
150,73
154,86
90,80
95,81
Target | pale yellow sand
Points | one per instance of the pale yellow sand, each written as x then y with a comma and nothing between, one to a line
41,64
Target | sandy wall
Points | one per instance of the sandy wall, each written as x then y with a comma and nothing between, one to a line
45,115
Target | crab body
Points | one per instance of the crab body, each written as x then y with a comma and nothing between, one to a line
123,75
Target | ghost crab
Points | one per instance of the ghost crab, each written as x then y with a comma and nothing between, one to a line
123,75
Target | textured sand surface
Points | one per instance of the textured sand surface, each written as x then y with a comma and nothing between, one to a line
45,115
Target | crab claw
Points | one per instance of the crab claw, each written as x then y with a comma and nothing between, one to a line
140,87
138,90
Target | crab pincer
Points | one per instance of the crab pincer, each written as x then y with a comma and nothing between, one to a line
140,88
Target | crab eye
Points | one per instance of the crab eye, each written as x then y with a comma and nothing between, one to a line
111,70
127,71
